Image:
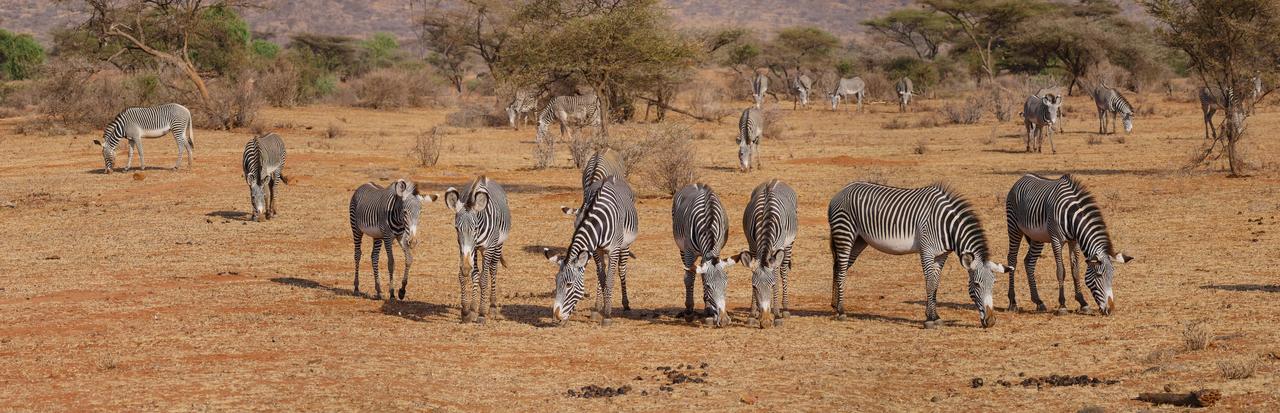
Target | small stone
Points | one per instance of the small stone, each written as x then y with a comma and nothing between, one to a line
976,382
749,399
935,399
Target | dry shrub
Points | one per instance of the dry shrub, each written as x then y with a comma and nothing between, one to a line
426,147
707,99
474,115
879,87
1147,109
1196,335
896,123
774,125
669,158
544,153
1093,140
928,122
1238,369
1003,105
232,104
395,88
584,145
334,131
967,113
74,92
278,85
922,147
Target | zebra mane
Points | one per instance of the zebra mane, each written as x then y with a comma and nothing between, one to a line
965,210
1089,205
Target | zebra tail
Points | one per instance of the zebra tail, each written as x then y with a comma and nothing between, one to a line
191,138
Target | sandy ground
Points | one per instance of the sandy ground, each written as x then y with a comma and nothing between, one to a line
155,293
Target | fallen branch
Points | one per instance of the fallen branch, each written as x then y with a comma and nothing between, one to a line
1199,398
682,112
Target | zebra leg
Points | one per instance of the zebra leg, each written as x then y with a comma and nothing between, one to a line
931,272
1102,122
1033,254
391,270
785,311
845,251
462,293
128,165
1052,148
1074,250
356,236
408,262
612,270
1015,242
689,276
602,263
271,199
1062,273
475,291
177,139
377,250
481,279
493,257
1030,130
622,277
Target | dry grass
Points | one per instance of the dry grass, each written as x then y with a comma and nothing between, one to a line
334,131
426,147
1238,369
1196,336
896,123
965,113
1094,140
922,147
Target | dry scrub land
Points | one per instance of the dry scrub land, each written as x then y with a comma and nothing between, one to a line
123,293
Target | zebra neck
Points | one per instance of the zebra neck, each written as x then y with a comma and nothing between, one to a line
962,231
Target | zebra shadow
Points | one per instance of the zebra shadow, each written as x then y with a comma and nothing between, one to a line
881,319
1265,288
528,314
305,283
232,215
537,249
953,306
413,310
99,171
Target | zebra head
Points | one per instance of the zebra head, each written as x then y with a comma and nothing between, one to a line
1054,104
745,149
835,99
256,196
1128,122
714,283
982,279
1098,276
411,207
569,288
466,221
763,278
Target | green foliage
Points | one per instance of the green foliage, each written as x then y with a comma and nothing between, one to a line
380,50
801,47
265,50
743,54
20,56
220,42
846,68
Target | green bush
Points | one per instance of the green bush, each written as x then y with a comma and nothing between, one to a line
20,56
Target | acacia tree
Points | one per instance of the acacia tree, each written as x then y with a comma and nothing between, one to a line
454,30
1228,42
987,24
922,31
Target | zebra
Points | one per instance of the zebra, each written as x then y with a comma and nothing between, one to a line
1060,124
608,226
1109,100
1039,114
770,225
483,222
1061,211
803,84
263,164
599,166
931,221
750,129
700,228
569,111
1210,102
135,124
387,214
905,89
523,103
848,87
759,86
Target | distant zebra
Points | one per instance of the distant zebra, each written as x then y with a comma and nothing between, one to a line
263,165
770,225
1060,125
803,84
387,214
701,227
483,221
931,221
1061,211
1039,114
905,89
1109,100
570,112
759,86
750,129
848,87
599,166
135,124
608,226
522,104
1210,102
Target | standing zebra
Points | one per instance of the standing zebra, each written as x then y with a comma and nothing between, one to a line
263,164
803,84
386,214
522,104
135,124
1109,100
750,129
1039,114
931,221
700,228
905,89
601,165
569,111
1061,211
482,221
608,226
1060,124
770,225
848,87
759,86
1210,102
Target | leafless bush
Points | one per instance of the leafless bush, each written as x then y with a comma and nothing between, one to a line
395,88
1003,105
896,123
278,85
426,147
879,86
967,113
74,92
927,122
1238,369
922,146
670,158
775,125
474,115
544,154
584,145
334,131
1196,335
232,104
707,100
1094,140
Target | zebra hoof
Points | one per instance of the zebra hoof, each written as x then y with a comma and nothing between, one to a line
1041,308
1062,311
401,293
606,322
785,314
377,295
1088,310
480,320
932,324
709,322
841,317
596,316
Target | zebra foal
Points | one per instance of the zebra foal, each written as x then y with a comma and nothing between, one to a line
263,164
1061,212
607,228
770,225
931,221
700,228
386,215
135,124
482,221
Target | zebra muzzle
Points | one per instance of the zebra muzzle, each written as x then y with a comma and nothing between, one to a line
1111,306
989,318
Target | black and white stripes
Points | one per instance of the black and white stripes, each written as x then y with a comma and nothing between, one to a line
750,129
570,112
855,87
608,226
1109,100
482,221
770,225
759,86
386,214
700,228
1039,114
135,124
263,164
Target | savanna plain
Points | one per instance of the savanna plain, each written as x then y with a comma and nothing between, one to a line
154,291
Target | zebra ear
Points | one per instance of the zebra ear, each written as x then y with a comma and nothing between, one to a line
400,187
998,268
569,211
554,258
726,263
745,258
480,201
966,261
1121,258
451,199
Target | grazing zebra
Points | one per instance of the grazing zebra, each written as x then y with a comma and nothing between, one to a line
601,165
135,124
264,166
759,86
569,111
848,87
522,104
700,227
750,129
483,221
608,226
387,214
803,84
770,224
1039,114
1109,100
1061,211
931,221
905,89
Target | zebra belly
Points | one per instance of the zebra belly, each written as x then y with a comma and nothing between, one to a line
1037,234
153,133
372,231
893,245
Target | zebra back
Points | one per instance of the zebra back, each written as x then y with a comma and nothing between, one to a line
608,219
850,86
264,157
494,221
601,165
750,126
698,221
770,220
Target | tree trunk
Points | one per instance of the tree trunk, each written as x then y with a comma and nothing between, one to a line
603,100
1234,128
